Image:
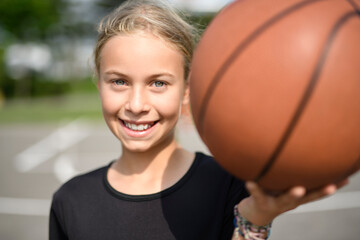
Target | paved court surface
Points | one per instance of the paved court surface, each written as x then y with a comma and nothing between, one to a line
36,159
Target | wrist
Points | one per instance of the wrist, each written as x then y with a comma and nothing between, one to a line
248,230
252,213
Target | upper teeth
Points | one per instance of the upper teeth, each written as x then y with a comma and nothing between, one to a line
139,127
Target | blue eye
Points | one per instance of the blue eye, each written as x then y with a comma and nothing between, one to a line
159,84
119,82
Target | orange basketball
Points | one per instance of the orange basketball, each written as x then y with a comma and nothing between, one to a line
275,91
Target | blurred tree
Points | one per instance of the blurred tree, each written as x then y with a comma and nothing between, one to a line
22,21
55,23
109,5
201,20
29,19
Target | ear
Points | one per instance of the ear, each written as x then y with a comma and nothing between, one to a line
186,98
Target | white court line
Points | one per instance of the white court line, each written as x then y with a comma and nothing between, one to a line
58,141
343,200
64,168
25,206
41,207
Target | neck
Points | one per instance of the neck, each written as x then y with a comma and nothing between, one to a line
154,160
151,171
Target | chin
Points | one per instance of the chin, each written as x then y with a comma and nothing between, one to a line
136,148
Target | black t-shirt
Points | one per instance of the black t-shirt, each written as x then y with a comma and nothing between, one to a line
199,206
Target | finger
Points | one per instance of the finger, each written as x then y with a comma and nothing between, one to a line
293,194
316,195
291,198
297,192
255,190
329,189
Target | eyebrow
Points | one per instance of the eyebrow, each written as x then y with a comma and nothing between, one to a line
110,72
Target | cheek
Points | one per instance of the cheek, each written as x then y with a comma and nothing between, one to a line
169,106
110,102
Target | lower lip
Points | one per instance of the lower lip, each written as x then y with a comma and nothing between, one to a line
137,134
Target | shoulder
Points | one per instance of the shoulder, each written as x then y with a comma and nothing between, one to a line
210,170
81,185
208,166
208,163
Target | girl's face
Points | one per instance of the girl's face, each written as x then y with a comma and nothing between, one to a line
142,88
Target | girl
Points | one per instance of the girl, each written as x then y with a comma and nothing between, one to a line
156,189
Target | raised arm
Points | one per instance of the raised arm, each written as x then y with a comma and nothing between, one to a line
255,213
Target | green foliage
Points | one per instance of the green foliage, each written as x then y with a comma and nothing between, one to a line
29,19
51,109
86,85
23,21
201,21
34,87
49,88
109,5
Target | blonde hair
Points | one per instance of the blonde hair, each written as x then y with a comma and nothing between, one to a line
148,15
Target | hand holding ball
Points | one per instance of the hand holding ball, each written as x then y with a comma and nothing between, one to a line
275,91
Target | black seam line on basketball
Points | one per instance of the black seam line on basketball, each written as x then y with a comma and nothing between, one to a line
307,94
239,49
355,6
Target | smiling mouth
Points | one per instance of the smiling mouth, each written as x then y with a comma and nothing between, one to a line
138,127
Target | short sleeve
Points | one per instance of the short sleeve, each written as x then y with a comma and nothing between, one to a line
56,229
236,193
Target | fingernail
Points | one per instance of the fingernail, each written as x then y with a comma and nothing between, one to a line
250,185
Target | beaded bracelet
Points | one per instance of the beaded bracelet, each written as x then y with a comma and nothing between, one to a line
248,230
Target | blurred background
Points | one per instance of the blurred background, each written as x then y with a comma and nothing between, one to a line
51,125
46,56
50,114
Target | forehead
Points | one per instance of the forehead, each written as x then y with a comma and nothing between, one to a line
139,52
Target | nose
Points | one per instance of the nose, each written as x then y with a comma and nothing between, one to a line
137,102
